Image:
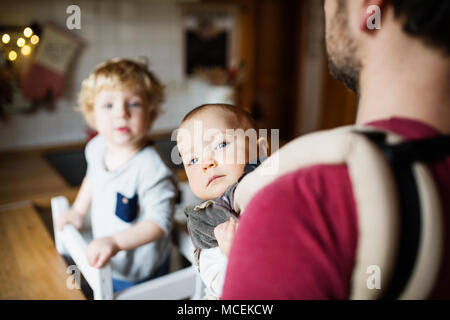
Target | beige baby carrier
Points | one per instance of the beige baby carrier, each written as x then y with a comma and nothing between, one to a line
398,205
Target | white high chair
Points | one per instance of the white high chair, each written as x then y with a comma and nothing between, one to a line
181,284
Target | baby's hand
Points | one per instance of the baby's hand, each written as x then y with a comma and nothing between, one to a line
69,217
224,234
100,251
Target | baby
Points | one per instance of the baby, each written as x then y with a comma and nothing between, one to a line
216,148
128,188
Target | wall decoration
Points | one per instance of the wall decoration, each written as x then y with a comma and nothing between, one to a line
45,78
34,61
17,46
206,46
210,42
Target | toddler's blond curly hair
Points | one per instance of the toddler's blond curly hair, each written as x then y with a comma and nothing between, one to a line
121,74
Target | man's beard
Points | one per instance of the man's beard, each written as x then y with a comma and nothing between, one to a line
341,49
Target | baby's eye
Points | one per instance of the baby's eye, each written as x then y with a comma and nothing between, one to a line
193,161
108,105
222,145
134,104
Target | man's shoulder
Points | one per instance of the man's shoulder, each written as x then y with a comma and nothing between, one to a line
323,190
314,178
302,226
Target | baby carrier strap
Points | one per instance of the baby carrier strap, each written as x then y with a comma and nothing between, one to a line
413,213
377,202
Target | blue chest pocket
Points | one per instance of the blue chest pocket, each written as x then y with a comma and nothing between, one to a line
126,208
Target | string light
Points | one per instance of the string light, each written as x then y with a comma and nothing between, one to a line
6,38
28,32
34,39
20,42
26,50
12,55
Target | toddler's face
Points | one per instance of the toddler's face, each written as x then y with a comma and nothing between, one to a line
122,117
213,159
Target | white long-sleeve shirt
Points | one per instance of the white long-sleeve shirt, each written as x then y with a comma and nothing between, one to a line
212,265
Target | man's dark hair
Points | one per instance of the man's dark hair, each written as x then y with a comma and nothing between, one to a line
427,19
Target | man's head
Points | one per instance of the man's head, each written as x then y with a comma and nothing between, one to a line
350,43
215,142
121,99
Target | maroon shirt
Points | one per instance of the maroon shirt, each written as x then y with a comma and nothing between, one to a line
298,237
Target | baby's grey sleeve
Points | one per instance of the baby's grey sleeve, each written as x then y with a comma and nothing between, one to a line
201,232
201,225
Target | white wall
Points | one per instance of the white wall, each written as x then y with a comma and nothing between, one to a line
111,28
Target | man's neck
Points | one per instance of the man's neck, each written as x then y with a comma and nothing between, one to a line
410,85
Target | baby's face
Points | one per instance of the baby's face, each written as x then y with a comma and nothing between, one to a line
213,159
122,117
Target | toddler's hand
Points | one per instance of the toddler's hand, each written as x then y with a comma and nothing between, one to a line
100,251
69,217
224,234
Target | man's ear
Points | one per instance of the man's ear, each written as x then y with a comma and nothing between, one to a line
262,147
367,13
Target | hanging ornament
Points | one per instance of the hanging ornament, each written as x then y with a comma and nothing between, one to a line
46,76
